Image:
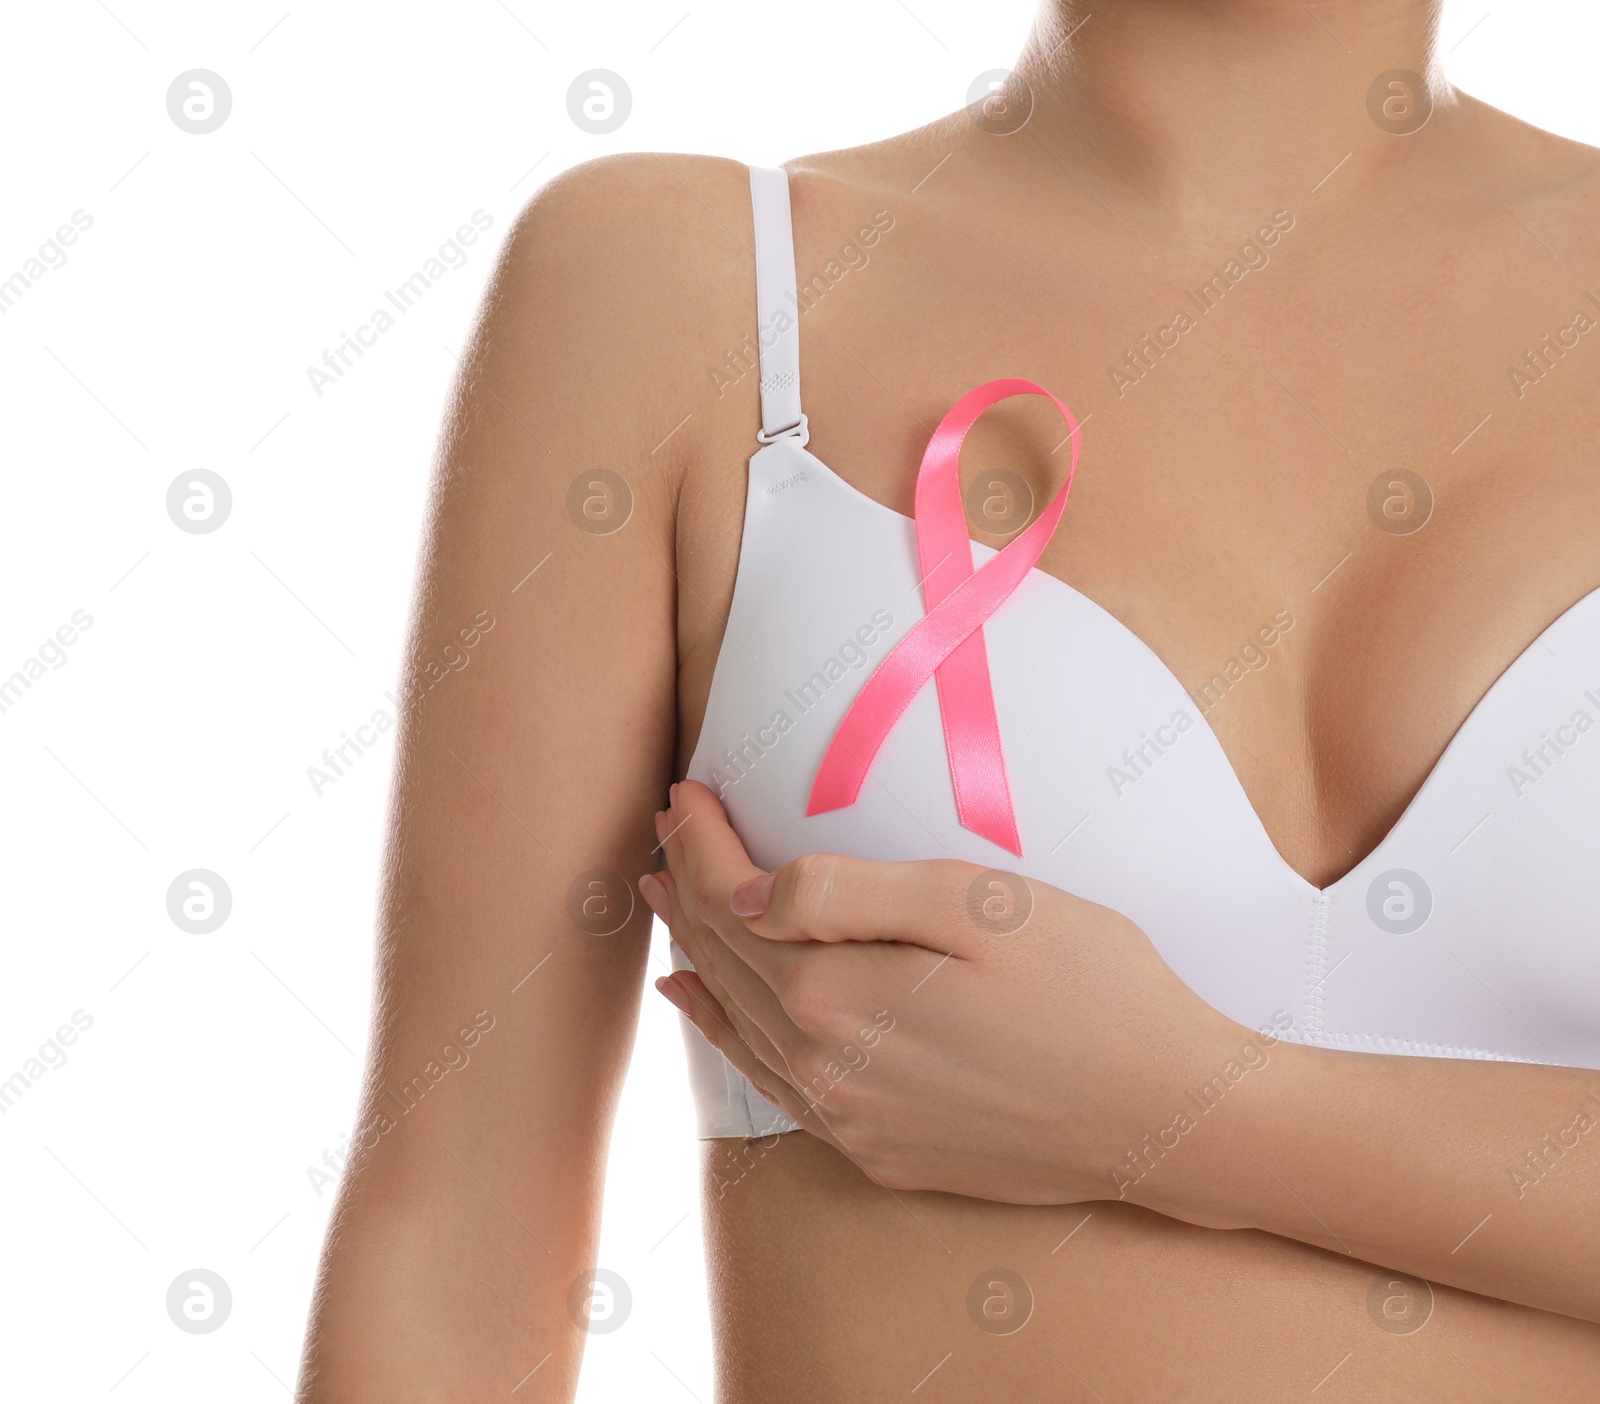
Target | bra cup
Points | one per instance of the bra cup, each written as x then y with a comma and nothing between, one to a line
1469,928
1124,795
1467,932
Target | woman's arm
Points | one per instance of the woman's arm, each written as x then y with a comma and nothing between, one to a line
538,736
1057,1059
1481,1175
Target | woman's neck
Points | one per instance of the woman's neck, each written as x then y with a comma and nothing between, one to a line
1200,105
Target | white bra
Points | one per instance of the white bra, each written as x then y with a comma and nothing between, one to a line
1469,932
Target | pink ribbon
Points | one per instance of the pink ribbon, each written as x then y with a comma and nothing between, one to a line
947,643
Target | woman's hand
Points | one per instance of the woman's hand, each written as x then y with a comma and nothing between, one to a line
944,1026
953,1029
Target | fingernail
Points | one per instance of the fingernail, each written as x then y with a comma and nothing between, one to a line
654,892
674,993
672,796
750,899
661,826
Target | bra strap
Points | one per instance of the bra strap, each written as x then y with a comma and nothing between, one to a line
777,308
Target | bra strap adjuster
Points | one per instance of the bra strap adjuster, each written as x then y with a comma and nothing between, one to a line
800,429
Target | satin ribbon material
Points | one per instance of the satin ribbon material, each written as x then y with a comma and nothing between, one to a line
947,643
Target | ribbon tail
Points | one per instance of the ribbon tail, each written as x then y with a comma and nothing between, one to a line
972,742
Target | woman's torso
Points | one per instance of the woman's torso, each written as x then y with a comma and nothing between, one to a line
1223,483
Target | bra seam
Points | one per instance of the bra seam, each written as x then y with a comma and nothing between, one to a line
1316,963
1388,1044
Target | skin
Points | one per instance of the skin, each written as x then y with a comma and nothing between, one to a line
1227,484
792,968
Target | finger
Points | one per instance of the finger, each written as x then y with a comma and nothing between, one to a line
706,950
699,1006
942,905
702,847
806,983
757,1024
675,907
693,937
709,862
800,1106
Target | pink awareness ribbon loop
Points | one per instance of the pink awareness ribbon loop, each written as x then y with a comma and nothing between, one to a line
947,643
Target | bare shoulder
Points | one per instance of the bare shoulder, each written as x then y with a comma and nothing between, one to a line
621,281
1550,180
649,231
831,186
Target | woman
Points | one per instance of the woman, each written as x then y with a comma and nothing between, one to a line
1324,323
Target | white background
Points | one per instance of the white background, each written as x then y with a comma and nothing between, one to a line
178,731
